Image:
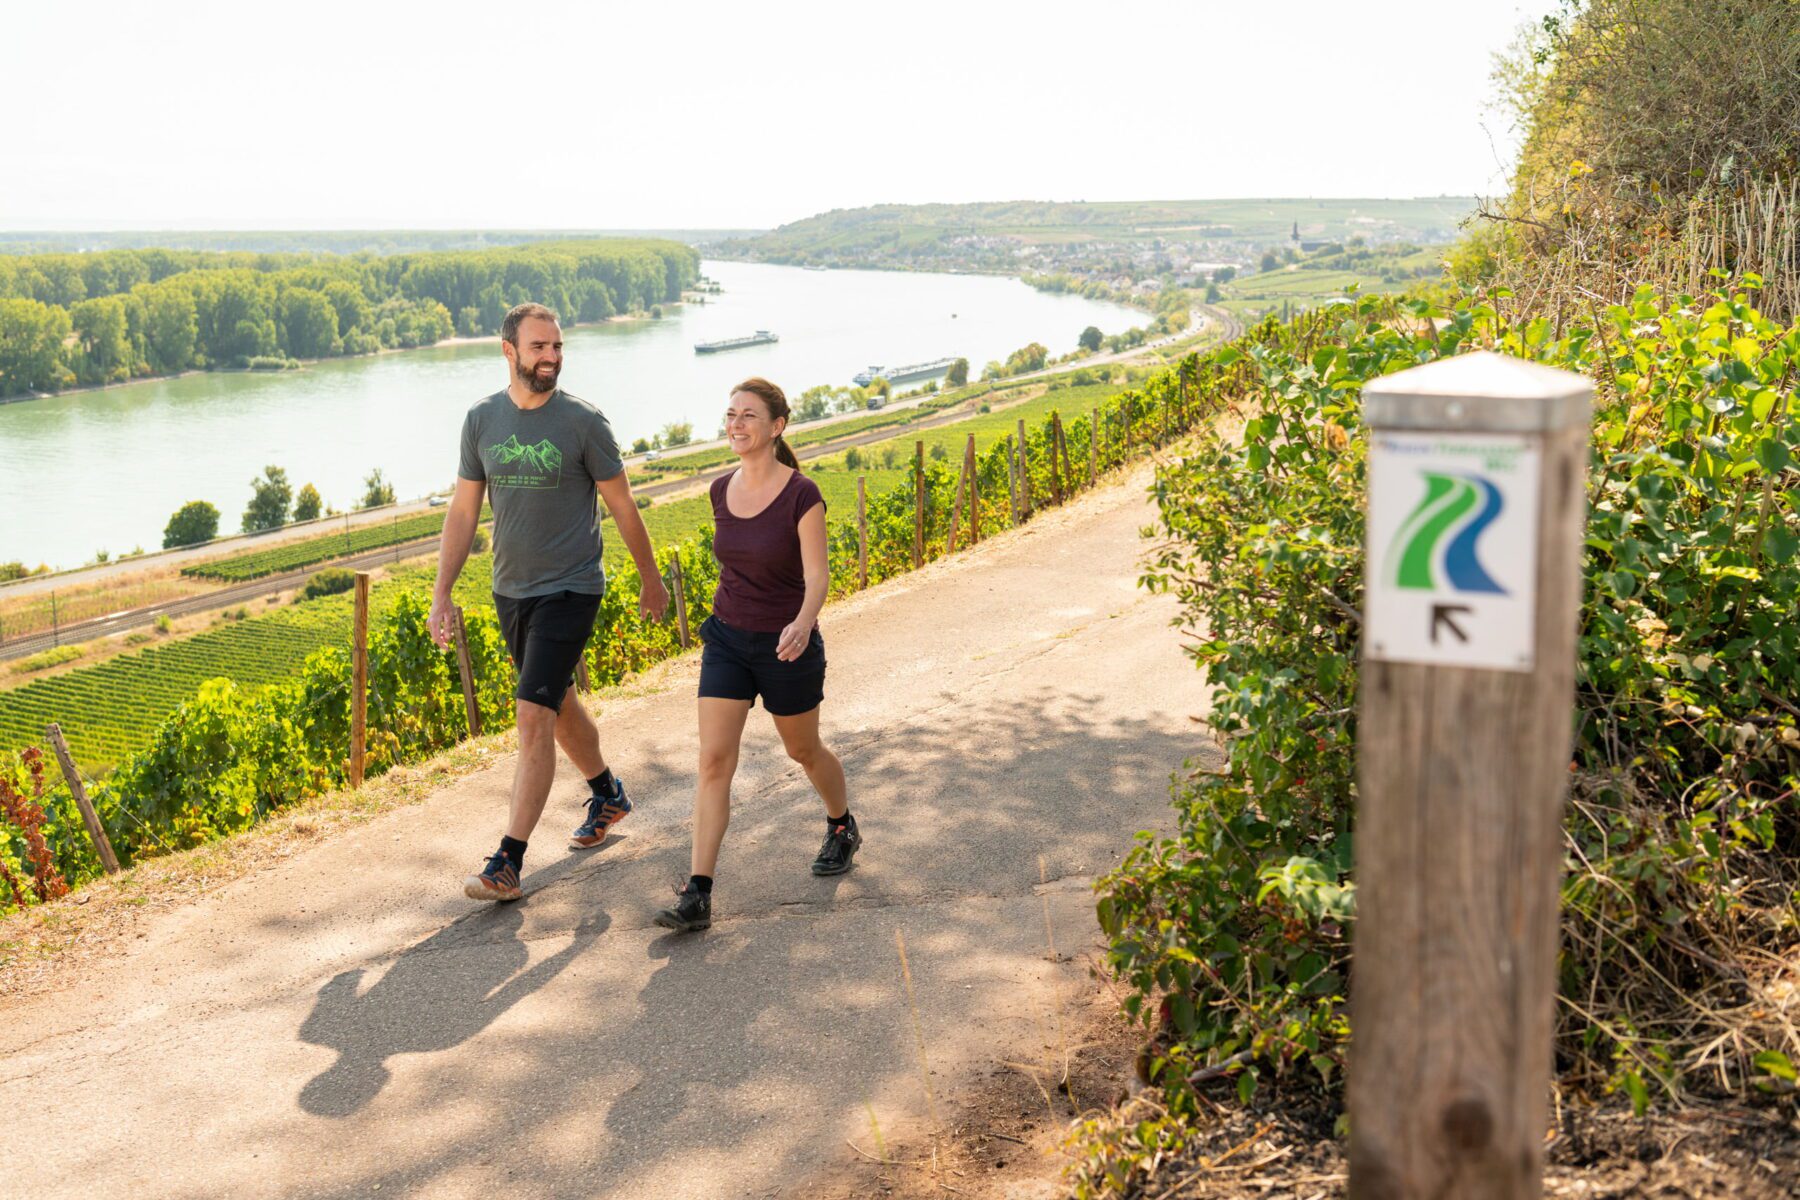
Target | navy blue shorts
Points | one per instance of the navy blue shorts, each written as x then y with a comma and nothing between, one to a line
545,636
740,664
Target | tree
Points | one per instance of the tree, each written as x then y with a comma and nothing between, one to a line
31,338
640,446
1090,338
310,324
1027,359
171,328
813,403
677,433
105,342
351,306
269,500
1224,274
880,387
959,373
853,459
193,523
1269,261
307,504
1213,295
376,491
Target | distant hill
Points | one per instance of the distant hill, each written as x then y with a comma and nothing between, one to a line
889,234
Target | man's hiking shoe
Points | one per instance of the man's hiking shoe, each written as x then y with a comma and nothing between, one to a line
841,844
499,880
603,813
692,910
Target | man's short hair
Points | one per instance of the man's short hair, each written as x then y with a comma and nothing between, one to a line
509,328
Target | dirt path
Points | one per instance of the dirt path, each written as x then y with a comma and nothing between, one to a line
345,1021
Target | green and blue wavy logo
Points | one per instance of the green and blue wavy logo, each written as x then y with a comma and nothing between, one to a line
1435,547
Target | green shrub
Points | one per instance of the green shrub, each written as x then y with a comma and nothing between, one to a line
44,660
328,582
1233,934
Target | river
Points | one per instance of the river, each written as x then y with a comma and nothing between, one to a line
103,470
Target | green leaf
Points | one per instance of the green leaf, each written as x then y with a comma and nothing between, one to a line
1640,1095
1780,543
1772,453
1246,1085
1774,1062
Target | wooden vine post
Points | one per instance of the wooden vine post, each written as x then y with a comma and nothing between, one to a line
972,467
1012,483
918,505
1024,474
466,670
359,681
78,789
1062,448
679,582
1093,445
956,507
1056,473
1475,528
862,532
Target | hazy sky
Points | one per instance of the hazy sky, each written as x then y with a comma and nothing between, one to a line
700,114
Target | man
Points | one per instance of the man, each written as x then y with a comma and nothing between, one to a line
540,454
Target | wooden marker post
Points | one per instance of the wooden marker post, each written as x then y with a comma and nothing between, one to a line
359,681
466,669
78,789
918,505
1475,527
1024,473
862,532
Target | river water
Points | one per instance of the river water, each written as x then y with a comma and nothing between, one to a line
103,470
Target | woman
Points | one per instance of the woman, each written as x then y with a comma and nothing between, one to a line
762,638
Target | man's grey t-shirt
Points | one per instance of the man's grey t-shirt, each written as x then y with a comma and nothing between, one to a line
540,466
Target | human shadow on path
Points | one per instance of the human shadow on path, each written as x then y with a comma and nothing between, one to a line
428,1000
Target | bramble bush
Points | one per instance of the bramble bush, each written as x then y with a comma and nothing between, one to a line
1683,833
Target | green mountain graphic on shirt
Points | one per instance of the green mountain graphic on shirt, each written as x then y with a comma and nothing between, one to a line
538,466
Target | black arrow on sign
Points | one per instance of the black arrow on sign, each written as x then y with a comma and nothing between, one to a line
1440,615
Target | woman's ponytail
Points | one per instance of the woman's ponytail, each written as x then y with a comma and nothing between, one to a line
775,400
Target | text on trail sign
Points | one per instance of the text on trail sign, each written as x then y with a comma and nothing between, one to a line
1452,550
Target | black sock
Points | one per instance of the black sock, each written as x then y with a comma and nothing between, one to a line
602,784
701,884
514,849
846,820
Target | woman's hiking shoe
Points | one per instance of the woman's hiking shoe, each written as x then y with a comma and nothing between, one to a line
499,880
841,844
603,813
692,910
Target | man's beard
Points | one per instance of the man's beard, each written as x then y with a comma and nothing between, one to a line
535,381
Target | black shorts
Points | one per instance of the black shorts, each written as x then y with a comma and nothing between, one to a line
740,664
545,636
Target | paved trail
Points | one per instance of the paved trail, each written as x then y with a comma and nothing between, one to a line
347,1022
